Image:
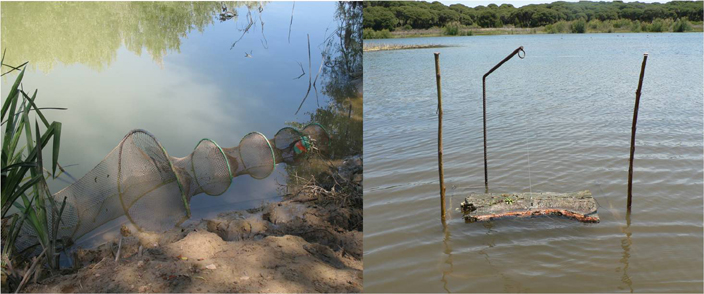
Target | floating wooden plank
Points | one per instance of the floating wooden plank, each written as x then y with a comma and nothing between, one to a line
483,207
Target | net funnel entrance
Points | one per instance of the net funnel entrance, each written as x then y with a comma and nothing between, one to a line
319,136
153,190
150,191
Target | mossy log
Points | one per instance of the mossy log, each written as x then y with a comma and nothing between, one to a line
482,207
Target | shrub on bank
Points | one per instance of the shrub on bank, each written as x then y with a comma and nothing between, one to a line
372,34
682,25
451,29
579,26
635,27
658,25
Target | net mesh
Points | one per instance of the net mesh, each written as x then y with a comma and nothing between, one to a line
140,180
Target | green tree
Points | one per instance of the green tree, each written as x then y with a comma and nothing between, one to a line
424,15
156,27
379,18
487,19
448,15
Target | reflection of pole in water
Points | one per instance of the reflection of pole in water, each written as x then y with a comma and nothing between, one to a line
447,249
509,284
626,245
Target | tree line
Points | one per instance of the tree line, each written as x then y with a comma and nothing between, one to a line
391,15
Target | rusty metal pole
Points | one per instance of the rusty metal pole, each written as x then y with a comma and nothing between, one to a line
633,130
517,51
440,164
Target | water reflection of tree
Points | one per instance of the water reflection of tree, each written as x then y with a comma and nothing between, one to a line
343,61
90,33
342,82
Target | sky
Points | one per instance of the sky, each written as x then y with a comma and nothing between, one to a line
521,3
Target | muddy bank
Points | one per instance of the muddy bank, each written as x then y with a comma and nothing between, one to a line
309,242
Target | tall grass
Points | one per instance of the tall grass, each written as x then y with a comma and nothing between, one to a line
24,185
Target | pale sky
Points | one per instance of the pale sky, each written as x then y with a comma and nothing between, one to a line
519,3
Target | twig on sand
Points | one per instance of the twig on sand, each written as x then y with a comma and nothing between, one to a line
119,248
30,270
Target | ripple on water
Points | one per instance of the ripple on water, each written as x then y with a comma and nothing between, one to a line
568,106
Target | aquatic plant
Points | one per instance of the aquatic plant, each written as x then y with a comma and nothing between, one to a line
24,184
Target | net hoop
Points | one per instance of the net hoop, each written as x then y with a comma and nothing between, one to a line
224,157
171,165
271,149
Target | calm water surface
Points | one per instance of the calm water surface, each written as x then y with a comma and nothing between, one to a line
558,120
167,68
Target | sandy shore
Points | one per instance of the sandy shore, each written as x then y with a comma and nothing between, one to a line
309,242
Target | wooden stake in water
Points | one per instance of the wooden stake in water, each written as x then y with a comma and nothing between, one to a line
440,166
633,130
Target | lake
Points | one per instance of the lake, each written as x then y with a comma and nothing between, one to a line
179,71
557,121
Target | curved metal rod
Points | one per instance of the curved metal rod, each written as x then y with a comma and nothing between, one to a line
515,52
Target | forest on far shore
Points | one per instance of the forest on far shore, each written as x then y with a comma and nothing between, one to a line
556,17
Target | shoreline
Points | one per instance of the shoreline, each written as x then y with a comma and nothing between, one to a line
438,32
311,241
387,47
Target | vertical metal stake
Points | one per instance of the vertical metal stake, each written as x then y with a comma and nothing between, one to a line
515,52
486,172
440,165
633,131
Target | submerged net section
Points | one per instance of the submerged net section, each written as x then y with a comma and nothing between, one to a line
153,190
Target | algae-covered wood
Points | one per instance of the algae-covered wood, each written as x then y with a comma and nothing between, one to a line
579,205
